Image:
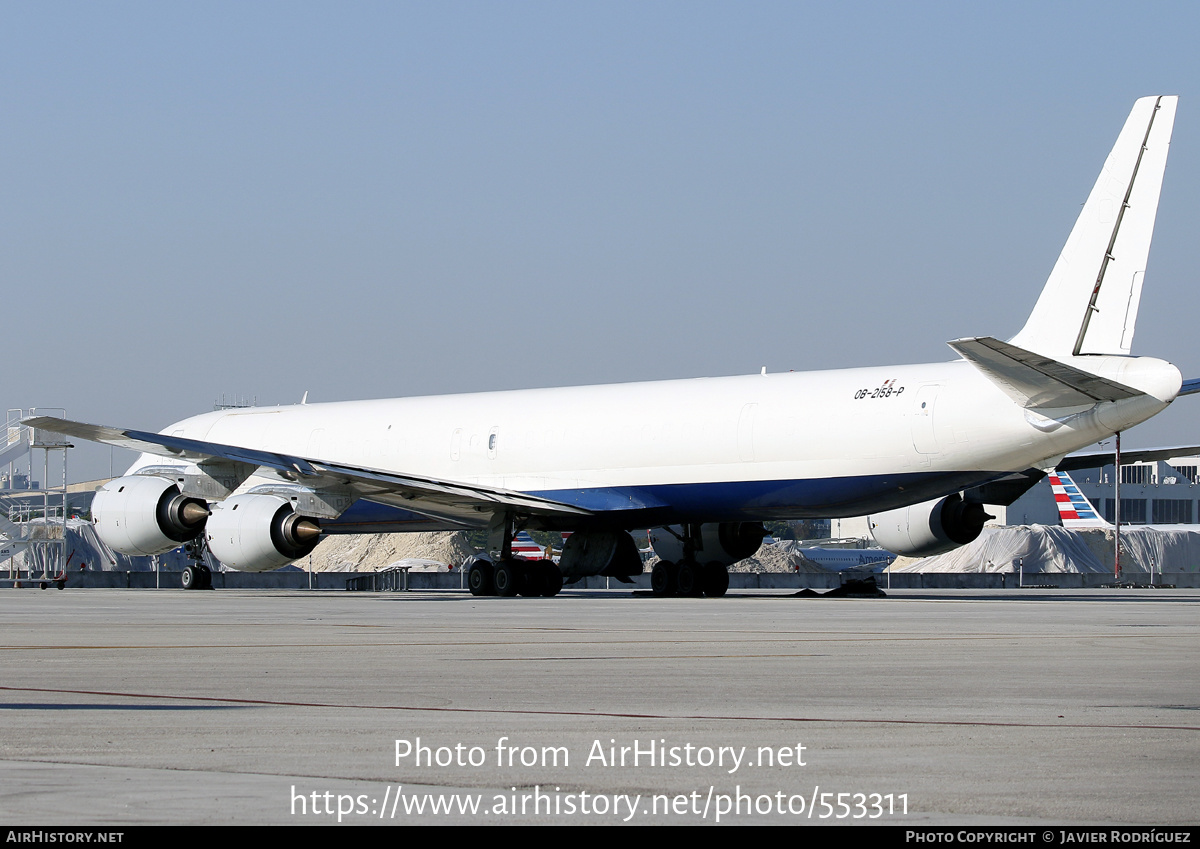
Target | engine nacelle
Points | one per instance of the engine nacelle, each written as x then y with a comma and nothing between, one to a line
145,514
257,533
724,542
929,528
611,553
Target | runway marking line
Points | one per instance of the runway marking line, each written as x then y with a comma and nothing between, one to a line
608,714
401,643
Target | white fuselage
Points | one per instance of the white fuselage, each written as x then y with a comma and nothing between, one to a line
786,445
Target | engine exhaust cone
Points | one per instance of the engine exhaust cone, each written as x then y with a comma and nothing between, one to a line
304,530
193,513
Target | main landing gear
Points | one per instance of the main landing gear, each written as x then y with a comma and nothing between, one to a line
514,577
689,578
511,576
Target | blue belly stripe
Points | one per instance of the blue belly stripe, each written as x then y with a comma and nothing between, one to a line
718,501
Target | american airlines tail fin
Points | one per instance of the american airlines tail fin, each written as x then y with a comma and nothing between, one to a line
525,547
1090,302
1074,510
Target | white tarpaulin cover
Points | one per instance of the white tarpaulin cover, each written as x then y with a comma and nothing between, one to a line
1050,548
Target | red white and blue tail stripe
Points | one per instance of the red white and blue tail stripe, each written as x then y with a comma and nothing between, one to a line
524,547
1074,510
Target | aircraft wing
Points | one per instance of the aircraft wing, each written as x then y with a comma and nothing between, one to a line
1096,459
415,492
1190,387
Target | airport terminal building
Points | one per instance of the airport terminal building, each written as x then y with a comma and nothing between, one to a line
1153,493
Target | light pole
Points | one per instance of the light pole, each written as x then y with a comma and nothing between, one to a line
1117,513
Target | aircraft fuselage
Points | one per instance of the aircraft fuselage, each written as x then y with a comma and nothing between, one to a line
785,445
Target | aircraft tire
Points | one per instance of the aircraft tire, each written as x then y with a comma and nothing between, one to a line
662,578
190,578
689,579
205,578
716,579
552,579
532,580
506,578
479,578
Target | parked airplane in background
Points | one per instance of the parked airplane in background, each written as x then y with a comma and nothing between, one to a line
1076,512
920,447
845,559
524,546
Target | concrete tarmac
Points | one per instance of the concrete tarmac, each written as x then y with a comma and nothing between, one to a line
929,707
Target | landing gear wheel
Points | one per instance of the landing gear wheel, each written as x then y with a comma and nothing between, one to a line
552,579
662,578
191,578
479,578
205,577
506,578
532,580
689,579
716,579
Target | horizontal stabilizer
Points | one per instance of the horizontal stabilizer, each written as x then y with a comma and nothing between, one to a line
1033,380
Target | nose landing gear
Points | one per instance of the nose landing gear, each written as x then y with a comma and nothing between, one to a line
196,575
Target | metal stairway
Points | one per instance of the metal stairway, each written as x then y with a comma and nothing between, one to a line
16,438
33,519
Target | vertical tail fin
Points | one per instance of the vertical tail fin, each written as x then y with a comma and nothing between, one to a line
1090,302
1074,510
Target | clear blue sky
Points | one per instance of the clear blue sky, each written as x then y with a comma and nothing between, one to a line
379,199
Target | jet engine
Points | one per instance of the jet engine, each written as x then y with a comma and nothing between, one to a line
611,553
929,528
257,533
144,514
723,542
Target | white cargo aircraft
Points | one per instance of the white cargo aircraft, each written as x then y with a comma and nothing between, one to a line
922,448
